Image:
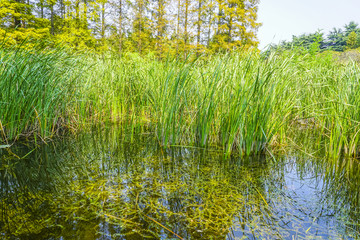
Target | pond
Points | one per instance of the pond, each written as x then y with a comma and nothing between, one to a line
106,184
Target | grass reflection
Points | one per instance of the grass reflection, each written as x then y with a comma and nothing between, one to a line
105,184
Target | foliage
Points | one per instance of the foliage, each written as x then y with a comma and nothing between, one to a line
337,40
352,40
163,27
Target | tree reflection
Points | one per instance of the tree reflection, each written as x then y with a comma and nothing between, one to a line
105,185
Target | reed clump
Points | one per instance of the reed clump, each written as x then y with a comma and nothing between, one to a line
233,101
36,87
239,102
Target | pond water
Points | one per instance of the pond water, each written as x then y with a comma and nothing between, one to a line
104,184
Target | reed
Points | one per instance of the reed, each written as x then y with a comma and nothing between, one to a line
239,102
231,101
35,91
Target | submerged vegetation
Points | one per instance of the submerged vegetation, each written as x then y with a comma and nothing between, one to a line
103,184
240,102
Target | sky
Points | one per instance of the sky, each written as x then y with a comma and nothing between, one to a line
282,19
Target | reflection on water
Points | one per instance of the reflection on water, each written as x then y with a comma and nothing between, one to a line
105,185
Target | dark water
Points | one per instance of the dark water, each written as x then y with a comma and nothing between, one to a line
104,184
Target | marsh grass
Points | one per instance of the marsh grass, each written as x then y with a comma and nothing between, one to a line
239,102
35,91
231,101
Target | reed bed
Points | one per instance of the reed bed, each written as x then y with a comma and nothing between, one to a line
240,102
232,101
35,90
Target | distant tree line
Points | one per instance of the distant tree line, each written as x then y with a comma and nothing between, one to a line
175,26
338,39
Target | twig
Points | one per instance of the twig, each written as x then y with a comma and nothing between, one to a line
163,226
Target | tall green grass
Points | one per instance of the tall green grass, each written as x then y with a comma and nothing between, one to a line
35,88
239,102
329,101
231,101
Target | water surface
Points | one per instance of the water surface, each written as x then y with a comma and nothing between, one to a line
104,184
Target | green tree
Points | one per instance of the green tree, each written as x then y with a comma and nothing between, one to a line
336,40
141,26
18,22
352,40
164,26
236,25
199,23
120,10
159,26
351,27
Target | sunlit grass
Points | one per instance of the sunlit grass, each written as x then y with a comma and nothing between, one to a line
239,102
35,91
232,101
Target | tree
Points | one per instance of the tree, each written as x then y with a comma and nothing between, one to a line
236,25
160,23
187,26
18,23
141,31
352,40
198,23
351,27
164,26
120,13
336,40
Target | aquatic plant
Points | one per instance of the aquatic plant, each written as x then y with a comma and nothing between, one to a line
239,102
35,91
233,101
94,186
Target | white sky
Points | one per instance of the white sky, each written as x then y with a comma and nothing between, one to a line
282,19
